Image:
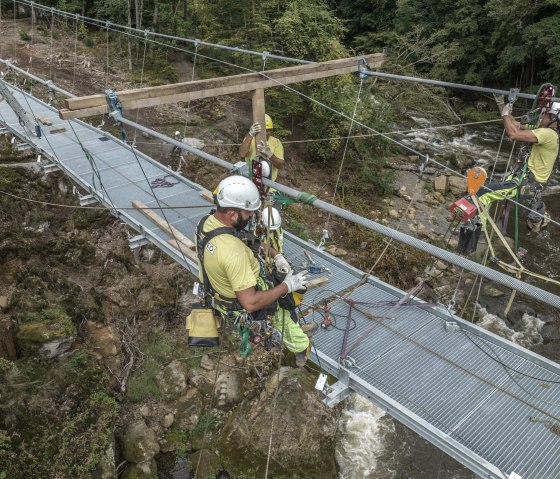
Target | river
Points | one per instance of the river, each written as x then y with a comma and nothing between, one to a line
374,445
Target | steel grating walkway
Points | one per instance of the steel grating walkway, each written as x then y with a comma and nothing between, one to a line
490,404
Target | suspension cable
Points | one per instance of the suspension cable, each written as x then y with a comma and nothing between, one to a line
345,147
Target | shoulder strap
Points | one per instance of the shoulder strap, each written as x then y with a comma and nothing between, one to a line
202,240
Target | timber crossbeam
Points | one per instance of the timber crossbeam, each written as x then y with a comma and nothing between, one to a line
91,105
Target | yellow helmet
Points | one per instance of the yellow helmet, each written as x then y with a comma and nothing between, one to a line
268,122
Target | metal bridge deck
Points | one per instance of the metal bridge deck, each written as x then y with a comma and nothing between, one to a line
489,403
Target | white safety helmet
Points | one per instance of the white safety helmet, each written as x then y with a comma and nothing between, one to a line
276,219
265,169
238,192
554,108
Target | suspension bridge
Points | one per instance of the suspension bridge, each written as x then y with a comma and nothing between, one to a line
489,403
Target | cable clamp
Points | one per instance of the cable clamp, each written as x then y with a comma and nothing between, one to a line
513,92
363,67
265,55
424,165
196,42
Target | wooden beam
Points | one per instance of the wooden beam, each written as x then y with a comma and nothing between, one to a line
258,114
147,97
162,224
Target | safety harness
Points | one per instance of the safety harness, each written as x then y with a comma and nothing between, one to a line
230,308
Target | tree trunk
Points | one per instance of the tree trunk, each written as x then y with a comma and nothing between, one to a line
7,339
129,24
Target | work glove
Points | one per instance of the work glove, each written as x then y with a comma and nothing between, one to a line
264,150
506,110
499,101
282,264
255,128
296,282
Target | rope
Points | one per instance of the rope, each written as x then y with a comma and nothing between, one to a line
275,401
345,149
124,208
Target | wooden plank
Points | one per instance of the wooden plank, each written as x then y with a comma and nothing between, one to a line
162,224
183,249
207,196
153,96
314,283
258,114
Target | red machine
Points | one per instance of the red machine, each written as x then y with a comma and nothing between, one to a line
463,209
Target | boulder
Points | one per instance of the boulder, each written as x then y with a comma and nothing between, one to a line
172,380
106,467
145,470
56,348
457,185
206,463
440,184
189,408
303,434
33,335
138,443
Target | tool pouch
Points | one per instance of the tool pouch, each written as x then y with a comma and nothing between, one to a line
202,326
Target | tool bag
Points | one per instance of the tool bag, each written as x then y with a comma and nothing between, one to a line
202,326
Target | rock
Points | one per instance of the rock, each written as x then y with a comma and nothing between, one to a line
492,291
56,348
106,468
441,265
174,440
145,411
412,228
413,158
201,380
208,463
300,444
206,363
551,332
453,243
168,420
138,443
145,470
440,184
102,339
336,251
194,142
461,161
420,146
438,197
3,302
33,335
393,214
228,390
457,185
172,380
188,409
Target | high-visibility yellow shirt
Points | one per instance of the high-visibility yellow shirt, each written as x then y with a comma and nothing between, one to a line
543,154
277,149
230,265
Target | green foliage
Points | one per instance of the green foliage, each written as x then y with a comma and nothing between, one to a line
158,351
23,35
206,422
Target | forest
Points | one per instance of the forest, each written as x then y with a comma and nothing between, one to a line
482,42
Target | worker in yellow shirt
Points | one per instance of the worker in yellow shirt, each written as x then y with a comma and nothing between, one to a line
234,276
272,150
530,177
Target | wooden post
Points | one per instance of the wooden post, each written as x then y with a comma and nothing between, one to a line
258,114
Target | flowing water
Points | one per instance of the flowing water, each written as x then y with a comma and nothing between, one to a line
375,446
